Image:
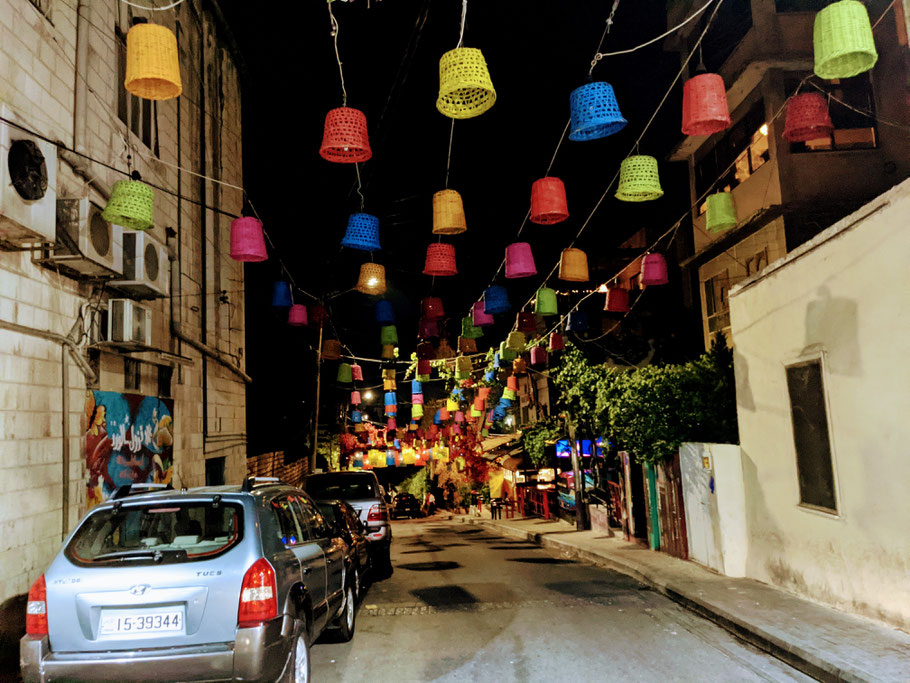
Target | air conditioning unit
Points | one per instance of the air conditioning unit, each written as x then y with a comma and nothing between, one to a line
146,266
129,322
28,185
85,242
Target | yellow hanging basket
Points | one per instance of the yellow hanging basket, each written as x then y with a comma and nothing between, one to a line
372,279
843,40
152,63
465,87
639,180
448,213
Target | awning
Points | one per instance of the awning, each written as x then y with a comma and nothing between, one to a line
493,442
513,463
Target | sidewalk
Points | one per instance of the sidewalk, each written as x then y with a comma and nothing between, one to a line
820,641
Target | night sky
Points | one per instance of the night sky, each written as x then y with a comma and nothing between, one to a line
537,53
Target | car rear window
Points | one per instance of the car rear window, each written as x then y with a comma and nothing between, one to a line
343,487
156,533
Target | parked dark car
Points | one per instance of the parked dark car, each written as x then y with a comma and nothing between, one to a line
345,521
363,492
210,583
405,505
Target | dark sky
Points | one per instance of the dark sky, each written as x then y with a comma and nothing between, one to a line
538,51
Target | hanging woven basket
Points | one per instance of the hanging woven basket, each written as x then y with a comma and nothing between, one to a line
388,334
654,270
595,112
721,213
843,41
465,87
545,302
444,350
248,240
639,180
355,398
467,345
357,372
281,295
331,349
496,300
520,366
152,63
516,341
384,313
362,232
548,201
432,308
469,330
425,351
538,355
506,354
526,322
372,279
427,329
344,376
573,265
557,343
519,261
479,315
345,140
617,300
440,260
132,205
448,213
705,109
807,118
463,365
577,322
297,315
388,351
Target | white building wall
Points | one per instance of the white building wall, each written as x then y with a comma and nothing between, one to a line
38,78
841,295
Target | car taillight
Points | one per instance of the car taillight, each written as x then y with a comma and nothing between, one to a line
378,513
258,595
36,610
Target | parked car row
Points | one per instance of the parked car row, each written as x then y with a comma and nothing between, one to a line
211,583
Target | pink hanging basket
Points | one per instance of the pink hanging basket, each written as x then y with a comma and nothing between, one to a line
440,260
356,373
297,315
479,316
519,261
427,328
548,201
654,270
248,240
807,118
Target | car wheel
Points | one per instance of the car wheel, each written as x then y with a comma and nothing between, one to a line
298,670
345,623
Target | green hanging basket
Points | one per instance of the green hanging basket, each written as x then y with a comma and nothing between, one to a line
469,330
516,341
721,214
345,374
506,354
388,335
132,205
639,180
546,302
843,41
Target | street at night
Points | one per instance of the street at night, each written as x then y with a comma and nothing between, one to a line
466,604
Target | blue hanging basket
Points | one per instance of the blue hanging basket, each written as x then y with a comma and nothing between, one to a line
362,233
496,300
489,375
577,322
356,417
385,314
391,398
416,387
281,295
436,419
595,112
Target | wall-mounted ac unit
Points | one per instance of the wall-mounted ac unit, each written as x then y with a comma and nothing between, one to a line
129,322
28,184
146,267
85,242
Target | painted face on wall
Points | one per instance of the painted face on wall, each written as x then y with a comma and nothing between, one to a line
126,467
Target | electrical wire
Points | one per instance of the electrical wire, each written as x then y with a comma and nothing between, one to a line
153,9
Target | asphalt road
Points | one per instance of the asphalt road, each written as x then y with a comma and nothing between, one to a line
466,605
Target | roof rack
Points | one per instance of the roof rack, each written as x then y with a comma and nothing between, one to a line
250,482
135,489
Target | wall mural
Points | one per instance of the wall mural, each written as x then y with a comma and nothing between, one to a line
129,439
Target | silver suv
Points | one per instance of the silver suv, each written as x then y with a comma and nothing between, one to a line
214,583
363,492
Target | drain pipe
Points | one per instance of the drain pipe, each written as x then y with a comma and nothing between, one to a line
80,91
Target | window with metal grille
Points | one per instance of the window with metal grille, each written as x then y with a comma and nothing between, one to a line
139,115
132,374
165,374
811,437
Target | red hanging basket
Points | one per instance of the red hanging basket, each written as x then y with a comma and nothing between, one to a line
705,109
548,201
440,260
345,140
538,355
432,308
316,314
617,300
807,118
556,342
526,322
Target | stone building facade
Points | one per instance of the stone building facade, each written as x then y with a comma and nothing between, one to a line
121,353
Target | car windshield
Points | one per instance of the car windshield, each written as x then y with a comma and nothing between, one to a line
156,533
343,487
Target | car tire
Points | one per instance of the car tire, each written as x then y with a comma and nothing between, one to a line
346,621
298,670
382,563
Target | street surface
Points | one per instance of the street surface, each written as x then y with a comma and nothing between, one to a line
465,604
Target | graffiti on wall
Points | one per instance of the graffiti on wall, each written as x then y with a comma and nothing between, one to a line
129,439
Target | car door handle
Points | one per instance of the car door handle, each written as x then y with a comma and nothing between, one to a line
307,570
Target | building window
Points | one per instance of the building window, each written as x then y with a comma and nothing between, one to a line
139,115
783,6
214,472
756,262
811,437
737,155
717,304
165,374
132,374
853,129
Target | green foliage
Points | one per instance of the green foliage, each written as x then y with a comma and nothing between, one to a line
417,484
534,439
650,411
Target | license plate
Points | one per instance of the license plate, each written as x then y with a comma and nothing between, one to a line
138,621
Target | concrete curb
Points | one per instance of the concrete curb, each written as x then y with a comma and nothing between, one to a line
798,657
